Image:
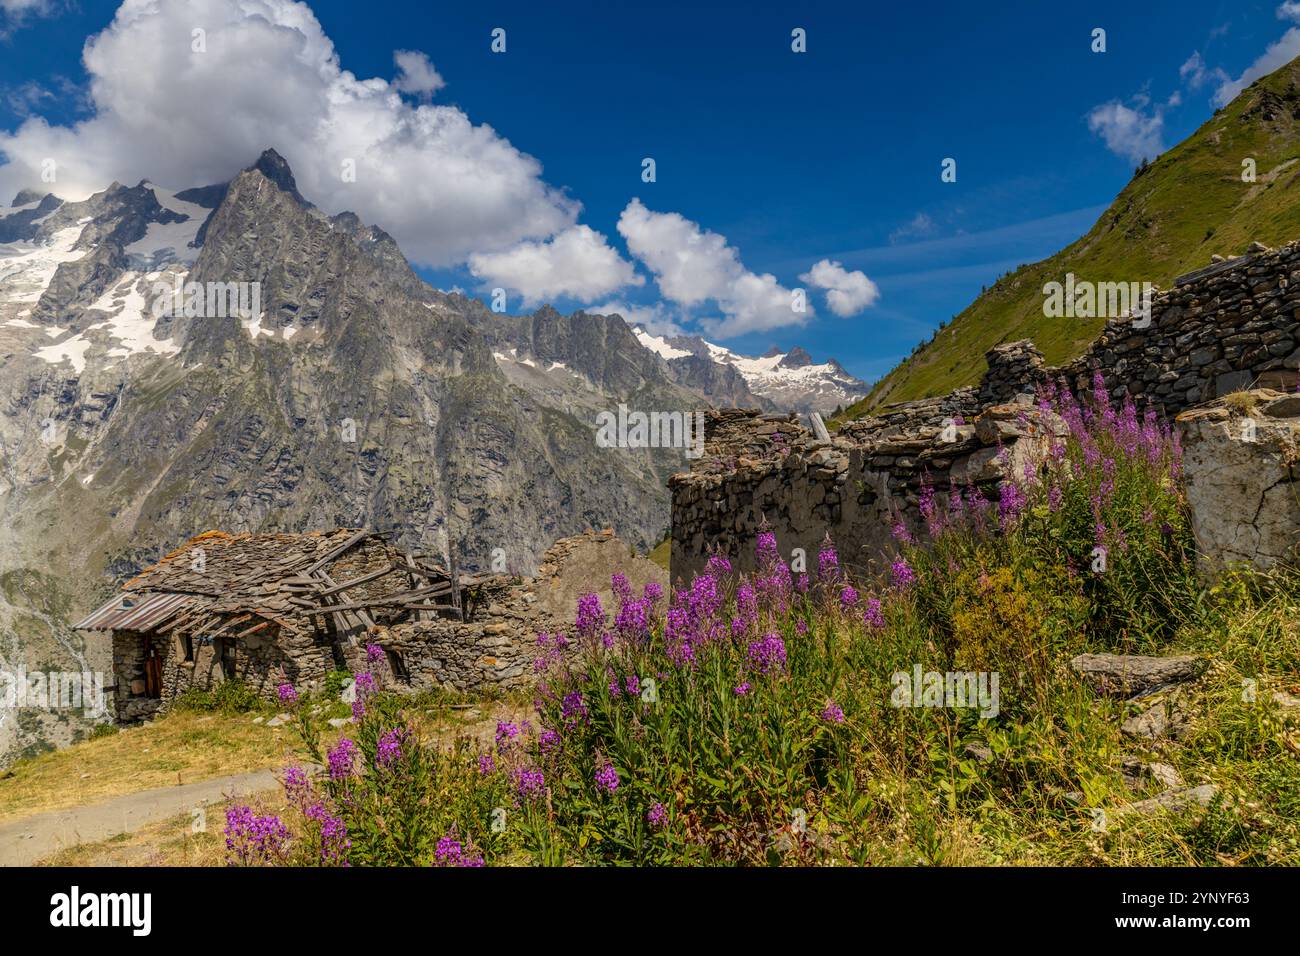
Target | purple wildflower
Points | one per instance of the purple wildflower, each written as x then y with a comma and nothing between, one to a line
342,759
607,778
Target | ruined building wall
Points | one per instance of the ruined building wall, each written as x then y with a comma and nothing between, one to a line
1222,329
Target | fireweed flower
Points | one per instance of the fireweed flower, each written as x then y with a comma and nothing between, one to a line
374,653
607,778
450,852
573,709
873,617
591,616
342,759
828,562
740,690
654,592
389,749
766,655
364,685
657,815
848,599
506,732
717,565
334,841
901,534
902,573
530,783
632,685
287,694
801,627
633,620
766,550
833,714
1054,498
296,786
253,840
618,583
548,741
486,764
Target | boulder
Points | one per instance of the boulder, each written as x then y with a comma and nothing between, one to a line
1128,675
1175,800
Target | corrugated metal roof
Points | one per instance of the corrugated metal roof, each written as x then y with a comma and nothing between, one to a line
134,611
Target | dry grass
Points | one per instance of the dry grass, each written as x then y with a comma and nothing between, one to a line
177,749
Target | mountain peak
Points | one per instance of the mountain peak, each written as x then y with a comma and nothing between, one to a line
795,358
26,196
275,168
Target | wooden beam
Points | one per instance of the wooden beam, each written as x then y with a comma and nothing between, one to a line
355,581
335,552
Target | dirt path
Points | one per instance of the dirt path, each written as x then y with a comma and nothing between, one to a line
23,842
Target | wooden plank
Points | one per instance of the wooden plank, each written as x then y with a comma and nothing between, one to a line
335,552
355,581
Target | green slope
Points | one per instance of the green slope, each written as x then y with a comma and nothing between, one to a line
1172,216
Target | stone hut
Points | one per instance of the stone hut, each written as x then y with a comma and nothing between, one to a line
269,608
265,608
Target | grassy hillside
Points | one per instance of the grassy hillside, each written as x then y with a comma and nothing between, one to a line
1174,214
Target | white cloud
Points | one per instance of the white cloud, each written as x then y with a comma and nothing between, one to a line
848,292
416,74
577,262
20,8
693,266
442,186
16,13
1130,133
919,225
1279,53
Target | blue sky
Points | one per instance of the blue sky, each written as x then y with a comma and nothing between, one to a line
833,154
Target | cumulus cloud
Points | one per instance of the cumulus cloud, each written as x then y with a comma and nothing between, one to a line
577,262
694,266
416,75
1278,53
848,293
441,185
1131,133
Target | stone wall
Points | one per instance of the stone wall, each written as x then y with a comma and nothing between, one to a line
497,649
1222,329
854,490
262,660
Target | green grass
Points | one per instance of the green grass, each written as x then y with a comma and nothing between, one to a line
1189,203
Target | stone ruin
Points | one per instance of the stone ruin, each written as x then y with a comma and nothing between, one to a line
1220,331
274,608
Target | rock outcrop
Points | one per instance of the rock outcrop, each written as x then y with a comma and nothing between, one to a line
1241,462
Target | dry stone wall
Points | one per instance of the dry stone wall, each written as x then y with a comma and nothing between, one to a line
1222,329
498,647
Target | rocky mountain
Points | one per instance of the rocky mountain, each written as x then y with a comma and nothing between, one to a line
786,381
231,357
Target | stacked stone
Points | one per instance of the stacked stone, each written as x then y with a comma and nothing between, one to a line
1228,327
958,406
1015,368
855,491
